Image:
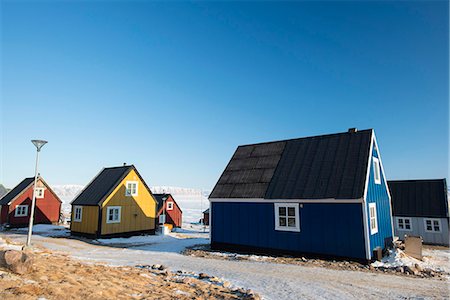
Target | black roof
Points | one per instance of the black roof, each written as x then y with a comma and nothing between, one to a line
206,211
159,200
419,198
102,185
317,167
16,190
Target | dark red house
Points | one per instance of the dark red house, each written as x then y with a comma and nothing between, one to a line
15,206
172,210
205,219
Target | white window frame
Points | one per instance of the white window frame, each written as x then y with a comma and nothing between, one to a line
277,217
18,211
110,208
376,170
432,220
373,218
75,209
403,219
170,205
40,192
128,193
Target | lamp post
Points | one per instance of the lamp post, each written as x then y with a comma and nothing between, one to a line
39,144
164,210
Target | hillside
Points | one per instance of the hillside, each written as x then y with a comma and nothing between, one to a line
3,190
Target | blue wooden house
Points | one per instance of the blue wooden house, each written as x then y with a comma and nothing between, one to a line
320,196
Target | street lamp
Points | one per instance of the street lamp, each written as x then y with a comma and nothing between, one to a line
39,144
164,210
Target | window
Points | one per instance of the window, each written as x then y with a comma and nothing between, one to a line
432,225
21,211
376,170
113,214
132,188
78,213
373,218
404,224
169,205
287,217
162,219
39,192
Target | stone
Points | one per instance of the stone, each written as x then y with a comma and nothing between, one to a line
18,261
161,267
411,270
156,267
304,259
226,284
418,267
203,276
188,280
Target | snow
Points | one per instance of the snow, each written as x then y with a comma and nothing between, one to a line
271,280
179,292
173,242
67,193
191,201
437,260
46,230
5,246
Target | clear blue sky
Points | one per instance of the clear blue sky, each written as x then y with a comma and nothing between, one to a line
175,87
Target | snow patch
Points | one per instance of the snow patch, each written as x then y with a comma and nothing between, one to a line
436,260
46,230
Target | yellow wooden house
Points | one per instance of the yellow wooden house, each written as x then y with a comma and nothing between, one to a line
117,202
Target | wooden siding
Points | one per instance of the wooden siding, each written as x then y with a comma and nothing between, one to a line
418,229
138,213
173,216
377,193
89,220
325,228
47,209
205,218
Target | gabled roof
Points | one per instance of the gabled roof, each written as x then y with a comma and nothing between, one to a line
330,166
102,185
23,185
419,198
159,200
16,190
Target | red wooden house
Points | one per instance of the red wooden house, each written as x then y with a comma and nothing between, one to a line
168,205
15,206
205,219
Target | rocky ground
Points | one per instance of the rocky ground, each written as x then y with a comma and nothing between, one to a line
271,280
56,276
411,271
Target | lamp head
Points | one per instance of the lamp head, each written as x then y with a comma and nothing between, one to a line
39,144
